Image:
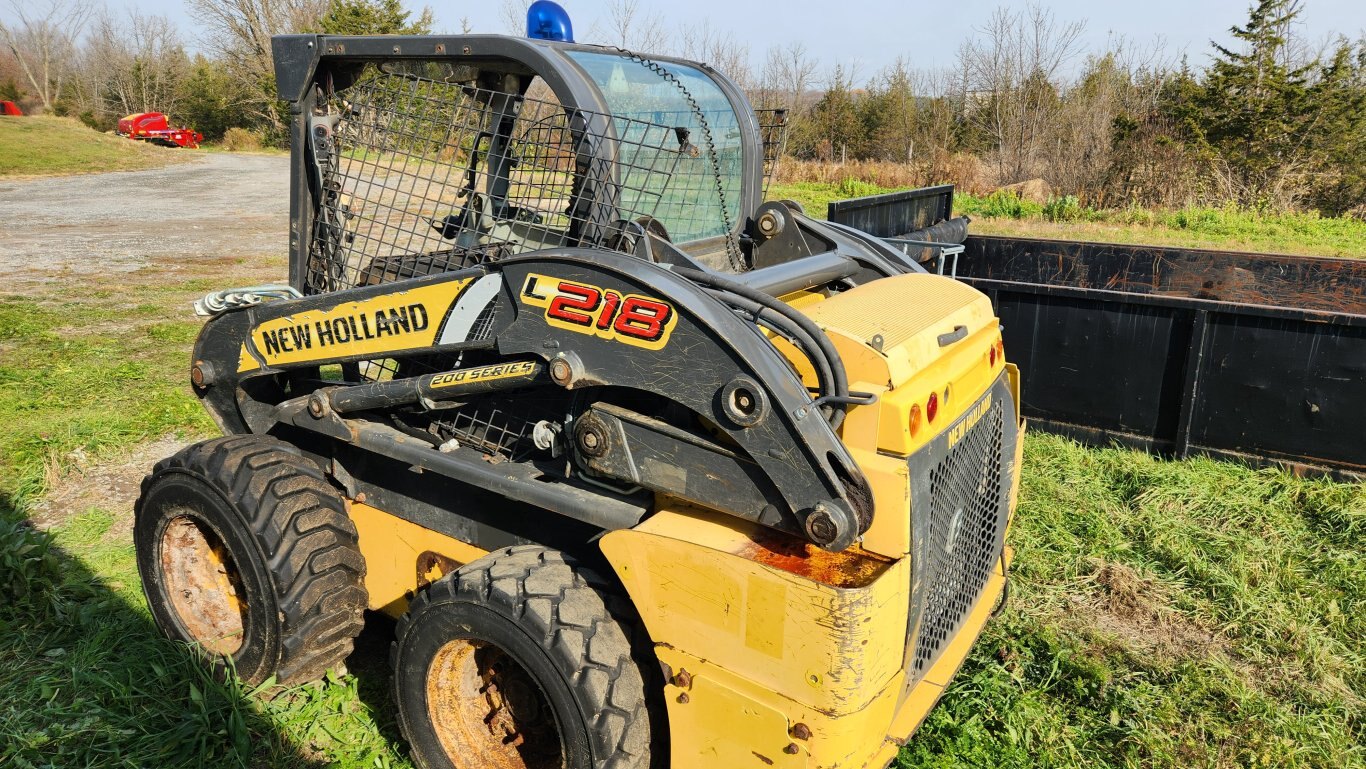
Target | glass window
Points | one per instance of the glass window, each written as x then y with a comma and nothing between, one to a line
706,181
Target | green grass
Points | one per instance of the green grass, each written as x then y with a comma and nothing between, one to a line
1231,228
85,678
1162,614
45,146
1167,614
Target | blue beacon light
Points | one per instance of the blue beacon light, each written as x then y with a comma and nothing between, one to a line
546,20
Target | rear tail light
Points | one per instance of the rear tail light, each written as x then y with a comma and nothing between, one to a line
991,356
932,407
915,419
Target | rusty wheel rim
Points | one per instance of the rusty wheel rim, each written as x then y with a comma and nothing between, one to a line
203,585
486,708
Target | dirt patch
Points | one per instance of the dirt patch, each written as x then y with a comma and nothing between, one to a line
73,229
110,483
1139,613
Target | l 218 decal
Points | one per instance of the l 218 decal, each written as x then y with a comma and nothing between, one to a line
632,319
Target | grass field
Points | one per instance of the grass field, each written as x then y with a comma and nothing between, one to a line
47,146
1226,228
1163,614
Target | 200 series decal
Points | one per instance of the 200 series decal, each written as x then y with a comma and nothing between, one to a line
523,368
632,319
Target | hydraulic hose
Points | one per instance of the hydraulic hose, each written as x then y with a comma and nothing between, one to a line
784,327
839,378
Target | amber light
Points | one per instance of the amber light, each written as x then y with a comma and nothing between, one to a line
1001,350
932,407
915,418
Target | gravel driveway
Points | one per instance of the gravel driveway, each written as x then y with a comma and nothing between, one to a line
217,205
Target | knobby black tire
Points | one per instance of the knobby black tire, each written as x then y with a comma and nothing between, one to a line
293,545
587,649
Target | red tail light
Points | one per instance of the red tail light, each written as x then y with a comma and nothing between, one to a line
932,407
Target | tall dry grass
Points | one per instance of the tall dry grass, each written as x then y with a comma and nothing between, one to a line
967,172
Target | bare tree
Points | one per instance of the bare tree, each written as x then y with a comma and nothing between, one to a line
1012,72
1120,86
789,71
43,42
513,16
629,26
137,64
239,32
718,49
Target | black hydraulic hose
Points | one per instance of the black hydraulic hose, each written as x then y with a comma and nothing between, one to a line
784,327
839,378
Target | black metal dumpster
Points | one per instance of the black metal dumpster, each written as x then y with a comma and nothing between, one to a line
1254,357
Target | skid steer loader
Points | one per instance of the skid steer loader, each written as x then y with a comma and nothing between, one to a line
650,471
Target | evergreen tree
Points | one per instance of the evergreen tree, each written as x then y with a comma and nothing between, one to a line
1339,139
211,101
836,127
373,17
1255,106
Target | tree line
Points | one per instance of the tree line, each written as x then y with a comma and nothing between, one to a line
1273,120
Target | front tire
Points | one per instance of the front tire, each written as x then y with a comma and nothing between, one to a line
245,550
521,660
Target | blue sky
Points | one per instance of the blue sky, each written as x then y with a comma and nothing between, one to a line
872,33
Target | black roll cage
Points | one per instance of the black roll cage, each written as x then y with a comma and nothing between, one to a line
304,60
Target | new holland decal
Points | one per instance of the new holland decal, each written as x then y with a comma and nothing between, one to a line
965,424
382,325
641,321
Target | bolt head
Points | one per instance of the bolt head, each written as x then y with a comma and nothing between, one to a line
202,374
561,372
820,526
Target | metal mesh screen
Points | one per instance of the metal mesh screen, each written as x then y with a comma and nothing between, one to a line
967,521
773,133
422,173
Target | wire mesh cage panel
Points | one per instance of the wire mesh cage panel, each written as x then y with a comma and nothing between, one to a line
422,172
773,134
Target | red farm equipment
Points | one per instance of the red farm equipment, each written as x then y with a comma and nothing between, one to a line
11,109
153,127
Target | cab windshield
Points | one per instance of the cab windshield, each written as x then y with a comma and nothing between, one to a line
702,197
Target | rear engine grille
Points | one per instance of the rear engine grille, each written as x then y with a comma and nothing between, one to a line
967,521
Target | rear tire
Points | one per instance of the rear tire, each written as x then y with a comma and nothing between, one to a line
245,550
521,660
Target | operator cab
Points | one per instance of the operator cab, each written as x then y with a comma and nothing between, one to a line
435,153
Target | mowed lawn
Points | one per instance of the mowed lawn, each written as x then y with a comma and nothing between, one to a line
1162,614
45,146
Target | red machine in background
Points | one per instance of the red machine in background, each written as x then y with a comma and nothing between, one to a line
153,127
10,108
